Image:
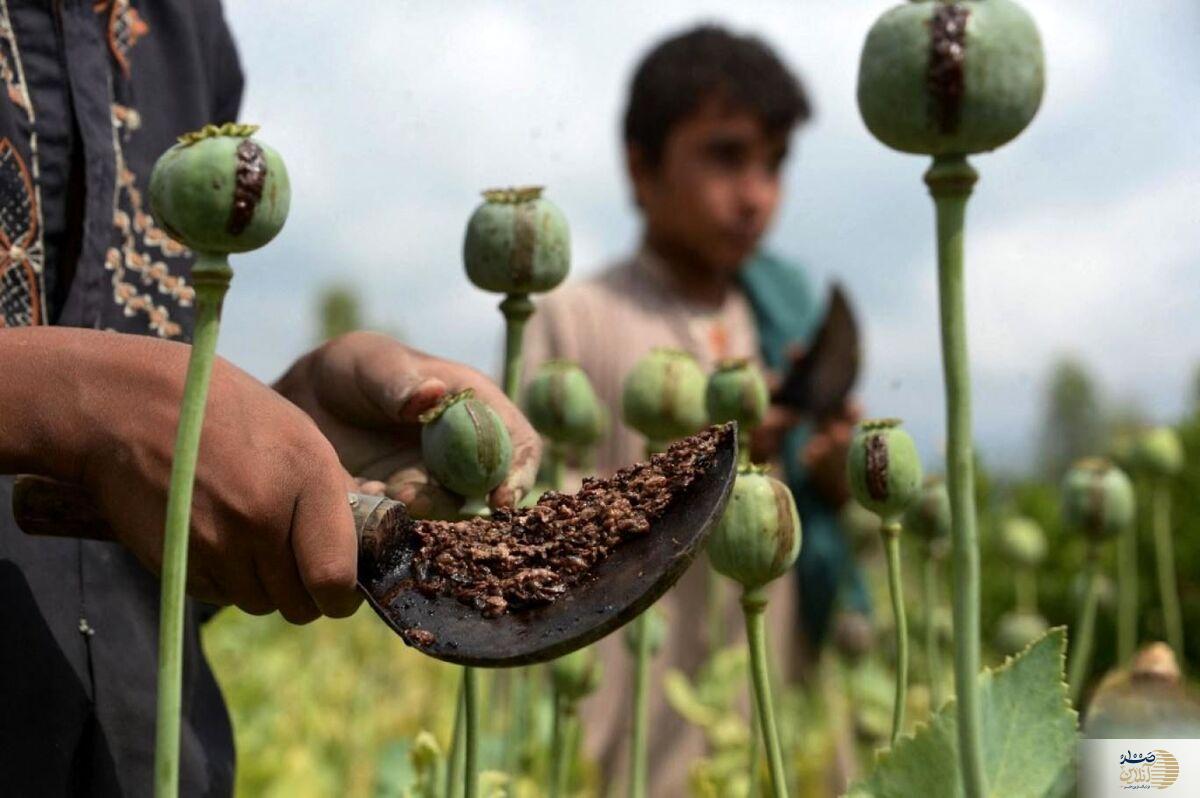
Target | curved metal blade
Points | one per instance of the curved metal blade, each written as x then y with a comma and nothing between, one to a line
821,379
623,585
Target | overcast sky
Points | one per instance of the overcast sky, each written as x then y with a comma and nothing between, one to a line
1083,235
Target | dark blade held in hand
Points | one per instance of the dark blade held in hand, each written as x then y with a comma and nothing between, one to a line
820,380
620,587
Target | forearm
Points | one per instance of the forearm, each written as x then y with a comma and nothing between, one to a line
48,383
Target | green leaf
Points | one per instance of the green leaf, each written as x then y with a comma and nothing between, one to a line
1028,735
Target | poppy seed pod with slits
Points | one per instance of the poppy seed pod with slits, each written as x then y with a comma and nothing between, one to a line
1097,499
1159,452
663,396
736,391
219,191
929,516
884,468
465,445
951,78
758,538
517,242
561,404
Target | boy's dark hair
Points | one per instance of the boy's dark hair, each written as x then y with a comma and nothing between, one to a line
683,71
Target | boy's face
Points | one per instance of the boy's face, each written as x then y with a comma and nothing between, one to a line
715,190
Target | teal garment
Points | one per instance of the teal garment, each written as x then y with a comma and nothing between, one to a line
787,312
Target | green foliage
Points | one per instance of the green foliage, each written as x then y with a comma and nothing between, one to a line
320,709
1028,727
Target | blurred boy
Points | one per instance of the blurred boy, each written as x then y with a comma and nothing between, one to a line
706,134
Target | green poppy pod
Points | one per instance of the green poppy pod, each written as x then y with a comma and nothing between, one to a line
951,78
736,391
758,538
1016,630
656,631
1023,542
929,516
1097,499
577,674
1159,452
219,191
517,242
465,445
884,468
560,403
663,396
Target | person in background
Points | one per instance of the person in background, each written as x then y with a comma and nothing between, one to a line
95,311
706,131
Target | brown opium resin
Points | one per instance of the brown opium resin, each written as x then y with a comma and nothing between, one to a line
248,181
420,638
529,557
877,467
947,54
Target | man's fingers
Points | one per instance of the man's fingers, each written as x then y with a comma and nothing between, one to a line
280,578
325,545
373,380
392,381
236,582
425,501
371,487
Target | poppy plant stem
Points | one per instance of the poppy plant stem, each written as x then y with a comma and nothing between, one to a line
1025,581
517,308
454,762
754,605
471,737
755,754
891,542
641,680
932,657
951,180
210,277
562,749
1127,592
1085,627
1165,554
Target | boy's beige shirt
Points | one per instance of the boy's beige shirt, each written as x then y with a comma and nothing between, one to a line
606,323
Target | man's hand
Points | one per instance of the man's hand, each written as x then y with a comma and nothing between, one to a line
271,528
365,392
824,457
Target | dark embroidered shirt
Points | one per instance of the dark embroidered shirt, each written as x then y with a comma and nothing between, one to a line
94,91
